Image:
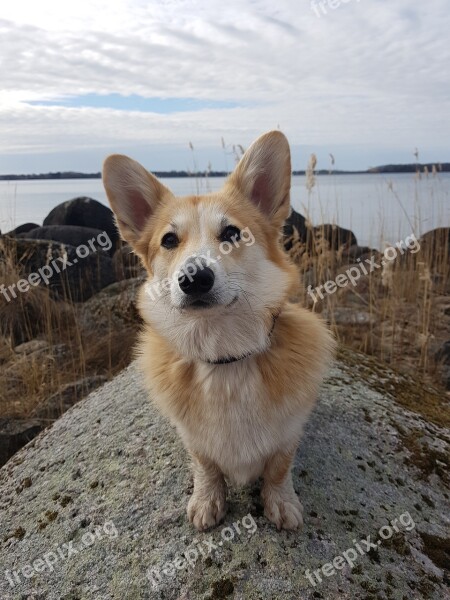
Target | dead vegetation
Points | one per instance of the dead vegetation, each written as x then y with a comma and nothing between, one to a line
45,345
398,313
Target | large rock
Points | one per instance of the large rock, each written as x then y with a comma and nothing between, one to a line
73,236
442,357
294,230
336,237
436,242
25,317
127,265
14,434
25,228
112,309
68,395
78,279
101,498
84,212
443,354
435,252
300,237
32,347
351,253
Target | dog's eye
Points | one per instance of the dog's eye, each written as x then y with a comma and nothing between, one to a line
230,234
170,240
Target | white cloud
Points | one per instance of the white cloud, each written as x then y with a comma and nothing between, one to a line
369,72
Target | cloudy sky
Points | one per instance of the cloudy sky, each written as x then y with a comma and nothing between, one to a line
366,80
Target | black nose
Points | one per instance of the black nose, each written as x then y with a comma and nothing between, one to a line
198,283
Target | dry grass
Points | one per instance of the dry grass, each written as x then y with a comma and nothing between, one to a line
65,352
399,314
404,308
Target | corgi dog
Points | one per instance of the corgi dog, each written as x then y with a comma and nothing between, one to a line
226,357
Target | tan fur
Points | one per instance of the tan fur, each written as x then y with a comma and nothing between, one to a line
244,419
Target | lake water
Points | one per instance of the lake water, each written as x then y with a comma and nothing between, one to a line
378,208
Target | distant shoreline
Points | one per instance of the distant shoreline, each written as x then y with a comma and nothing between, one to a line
410,168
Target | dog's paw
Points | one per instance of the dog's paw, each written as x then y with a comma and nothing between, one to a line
206,511
285,510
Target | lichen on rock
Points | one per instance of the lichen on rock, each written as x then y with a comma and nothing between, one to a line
112,472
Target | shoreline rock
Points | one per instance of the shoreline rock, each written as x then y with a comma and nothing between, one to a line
113,459
77,280
84,212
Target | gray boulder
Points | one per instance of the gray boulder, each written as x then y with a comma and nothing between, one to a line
351,253
294,230
78,278
25,228
443,354
32,347
298,233
72,236
127,265
95,506
14,434
436,242
68,395
84,212
114,309
336,237
442,358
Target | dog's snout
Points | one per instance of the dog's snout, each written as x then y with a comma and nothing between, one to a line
197,283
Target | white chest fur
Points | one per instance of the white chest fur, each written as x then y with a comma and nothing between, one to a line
236,424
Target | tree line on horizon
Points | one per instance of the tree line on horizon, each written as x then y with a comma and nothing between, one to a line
395,168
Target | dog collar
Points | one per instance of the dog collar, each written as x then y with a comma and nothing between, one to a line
231,359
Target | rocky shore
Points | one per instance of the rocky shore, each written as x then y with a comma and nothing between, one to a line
94,508
62,338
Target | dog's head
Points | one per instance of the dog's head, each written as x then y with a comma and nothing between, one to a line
217,272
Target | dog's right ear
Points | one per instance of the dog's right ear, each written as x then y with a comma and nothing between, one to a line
133,193
263,175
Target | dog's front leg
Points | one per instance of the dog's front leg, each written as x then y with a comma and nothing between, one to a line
281,504
207,505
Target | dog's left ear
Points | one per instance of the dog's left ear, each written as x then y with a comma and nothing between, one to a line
264,176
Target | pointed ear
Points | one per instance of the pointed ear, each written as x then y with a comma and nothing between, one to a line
263,175
133,193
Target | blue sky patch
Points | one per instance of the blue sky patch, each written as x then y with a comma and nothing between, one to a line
136,103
